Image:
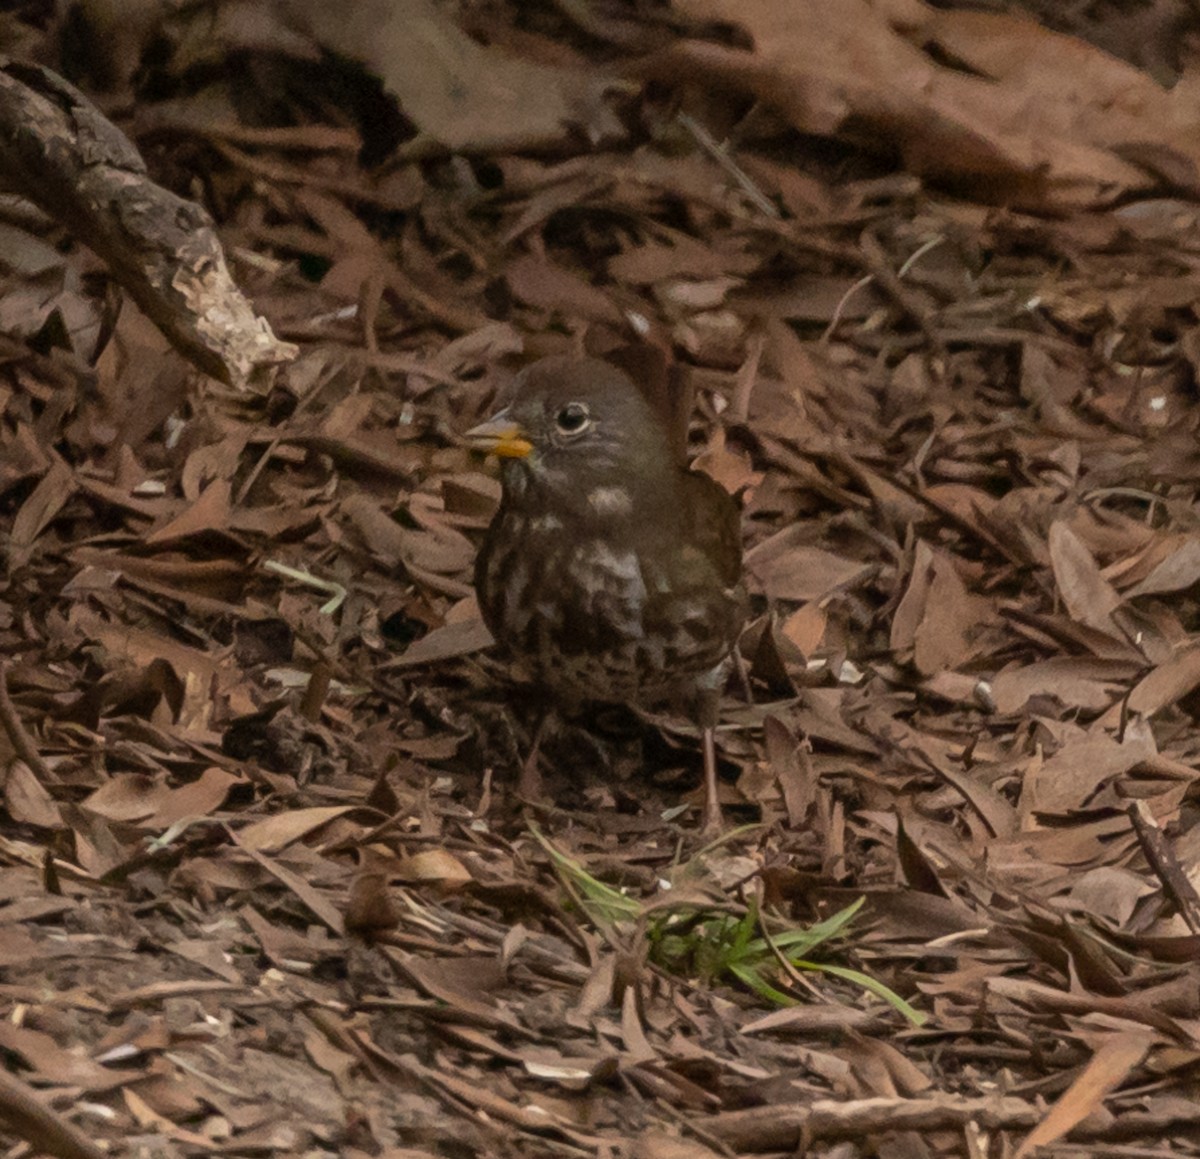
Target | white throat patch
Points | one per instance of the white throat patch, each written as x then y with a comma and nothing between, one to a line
610,501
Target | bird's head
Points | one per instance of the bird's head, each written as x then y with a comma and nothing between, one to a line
571,426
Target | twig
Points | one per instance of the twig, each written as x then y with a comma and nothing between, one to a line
1166,866
840,308
692,1125
317,689
720,154
893,285
881,272
918,254
40,1125
783,1128
22,742
747,376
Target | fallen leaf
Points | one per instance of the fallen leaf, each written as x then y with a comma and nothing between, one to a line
278,831
463,94
1108,1068
1089,597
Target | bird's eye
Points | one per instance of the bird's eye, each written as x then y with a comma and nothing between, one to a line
572,419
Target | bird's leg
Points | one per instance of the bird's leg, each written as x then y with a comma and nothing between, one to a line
713,821
707,713
529,779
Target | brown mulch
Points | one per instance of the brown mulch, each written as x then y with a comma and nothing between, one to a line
264,883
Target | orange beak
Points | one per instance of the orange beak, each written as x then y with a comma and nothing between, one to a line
500,436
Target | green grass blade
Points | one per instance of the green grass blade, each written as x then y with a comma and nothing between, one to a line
866,982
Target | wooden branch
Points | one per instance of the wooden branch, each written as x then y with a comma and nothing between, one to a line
784,1128
791,1126
60,152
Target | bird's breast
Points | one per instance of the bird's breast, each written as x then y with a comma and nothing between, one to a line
541,587
597,617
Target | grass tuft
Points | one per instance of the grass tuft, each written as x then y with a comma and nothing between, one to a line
715,943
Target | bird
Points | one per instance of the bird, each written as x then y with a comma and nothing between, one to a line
610,572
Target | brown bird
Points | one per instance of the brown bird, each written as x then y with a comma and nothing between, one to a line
610,572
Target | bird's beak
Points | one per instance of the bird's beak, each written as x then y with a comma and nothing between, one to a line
500,436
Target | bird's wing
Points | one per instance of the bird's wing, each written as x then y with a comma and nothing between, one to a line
716,525
696,603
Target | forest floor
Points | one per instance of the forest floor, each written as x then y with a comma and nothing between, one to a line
265,885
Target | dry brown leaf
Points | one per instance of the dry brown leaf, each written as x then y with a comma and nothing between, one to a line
730,466
678,255
433,866
127,797
60,1066
210,512
946,634
1167,683
209,954
805,628
215,461
537,282
445,643
313,898
789,569
382,535
27,800
1089,597
937,620
1111,892
196,799
654,1145
37,512
1067,780
1178,571
462,94
909,614
792,769
195,668
1073,682
881,1068
832,65
278,831
1108,1068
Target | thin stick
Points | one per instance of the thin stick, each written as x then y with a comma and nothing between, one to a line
22,742
1175,881
720,154
40,1125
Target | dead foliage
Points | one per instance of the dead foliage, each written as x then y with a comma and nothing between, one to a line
263,884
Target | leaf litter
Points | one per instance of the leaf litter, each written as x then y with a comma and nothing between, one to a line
264,885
